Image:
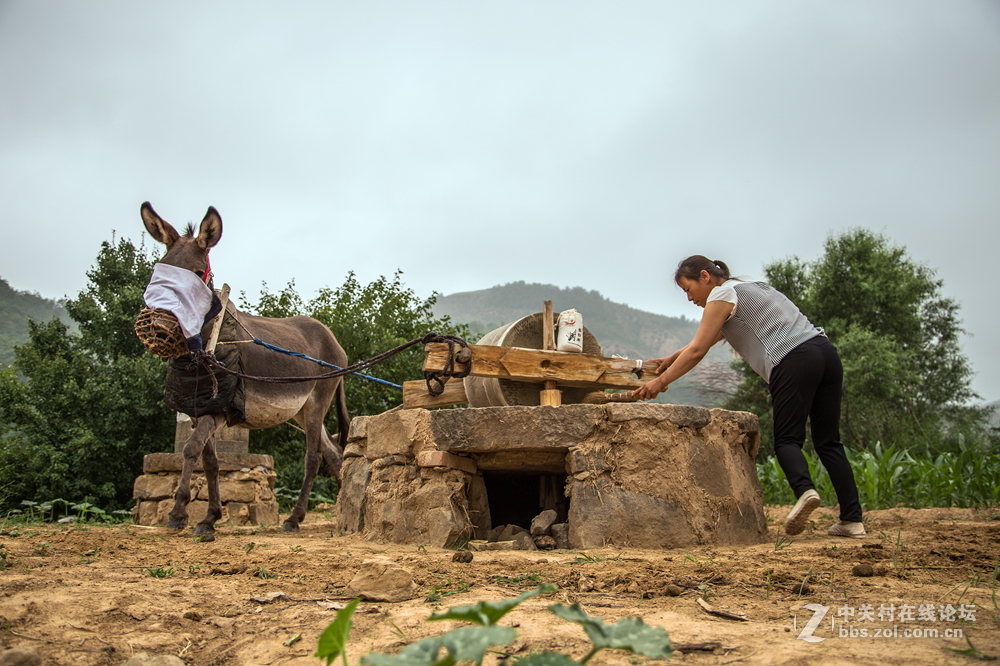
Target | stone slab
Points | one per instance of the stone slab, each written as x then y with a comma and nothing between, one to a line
174,462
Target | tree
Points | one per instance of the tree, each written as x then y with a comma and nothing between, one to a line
367,321
906,380
80,412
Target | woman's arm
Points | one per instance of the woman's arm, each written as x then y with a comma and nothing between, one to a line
709,332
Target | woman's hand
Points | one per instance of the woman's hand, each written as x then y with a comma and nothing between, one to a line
650,389
662,363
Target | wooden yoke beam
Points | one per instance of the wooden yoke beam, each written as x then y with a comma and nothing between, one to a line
539,366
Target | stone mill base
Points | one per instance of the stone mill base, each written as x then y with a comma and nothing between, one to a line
246,482
639,475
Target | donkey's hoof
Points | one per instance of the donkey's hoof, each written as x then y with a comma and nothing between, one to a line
176,524
289,526
203,530
204,538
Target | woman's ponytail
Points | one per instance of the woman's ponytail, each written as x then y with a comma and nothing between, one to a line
692,267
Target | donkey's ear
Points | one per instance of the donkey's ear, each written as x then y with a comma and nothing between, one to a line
157,227
210,230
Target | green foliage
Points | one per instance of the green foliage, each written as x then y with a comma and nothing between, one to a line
889,476
82,411
470,644
367,320
906,381
333,641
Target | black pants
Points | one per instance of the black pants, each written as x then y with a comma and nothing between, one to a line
807,383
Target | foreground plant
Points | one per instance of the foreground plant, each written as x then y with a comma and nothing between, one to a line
471,643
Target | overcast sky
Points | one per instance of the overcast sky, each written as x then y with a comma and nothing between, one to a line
471,144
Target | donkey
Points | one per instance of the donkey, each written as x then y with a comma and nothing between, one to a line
267,404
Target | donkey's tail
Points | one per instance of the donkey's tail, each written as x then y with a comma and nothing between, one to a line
333,453
343,418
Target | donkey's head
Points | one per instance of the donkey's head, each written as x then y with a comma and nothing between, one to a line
188,251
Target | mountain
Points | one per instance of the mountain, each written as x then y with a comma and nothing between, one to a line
619,329
16,308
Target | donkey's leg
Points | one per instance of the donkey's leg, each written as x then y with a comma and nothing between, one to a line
193,447
210,462
311,419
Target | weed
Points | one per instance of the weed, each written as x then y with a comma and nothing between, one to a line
438,592
43,549
249,547
972,651
782,543
4,563
262,572
159,572
526,579
297,549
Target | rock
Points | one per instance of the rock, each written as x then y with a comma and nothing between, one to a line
542,523
270,598
524,541
380,579
863,570
145,659
801,589
544,542
20,657
496,545
508,532
560,532
675,590
462,556
584,584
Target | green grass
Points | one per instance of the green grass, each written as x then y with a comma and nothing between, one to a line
889,477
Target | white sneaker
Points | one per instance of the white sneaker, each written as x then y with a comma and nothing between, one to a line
853,530
799,515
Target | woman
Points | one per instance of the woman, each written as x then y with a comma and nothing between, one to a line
798,362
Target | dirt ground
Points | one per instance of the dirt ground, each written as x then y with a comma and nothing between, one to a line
84,594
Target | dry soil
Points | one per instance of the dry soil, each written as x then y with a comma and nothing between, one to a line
86,594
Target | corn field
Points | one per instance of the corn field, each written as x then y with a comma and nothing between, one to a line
890,477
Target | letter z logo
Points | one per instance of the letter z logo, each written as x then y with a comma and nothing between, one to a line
819,612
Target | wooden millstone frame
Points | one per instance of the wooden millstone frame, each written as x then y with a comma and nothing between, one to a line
639,475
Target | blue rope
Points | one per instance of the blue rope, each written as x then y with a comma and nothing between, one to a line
324,363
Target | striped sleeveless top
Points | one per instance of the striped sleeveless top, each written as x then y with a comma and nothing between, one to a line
764,326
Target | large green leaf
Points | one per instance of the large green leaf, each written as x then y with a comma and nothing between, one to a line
333,641
465,644
630,633
487,613
547,659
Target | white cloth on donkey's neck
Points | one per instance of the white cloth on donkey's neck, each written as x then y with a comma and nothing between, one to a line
183,293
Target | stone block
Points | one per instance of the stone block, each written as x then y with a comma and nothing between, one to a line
601,514
155,486
396,433
679,415
560,533
264,513
359,429
174,462
488,429
233,491
445,459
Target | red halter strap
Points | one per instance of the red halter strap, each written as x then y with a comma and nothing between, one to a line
208,270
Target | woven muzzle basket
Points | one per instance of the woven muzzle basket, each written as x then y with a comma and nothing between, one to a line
160,333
